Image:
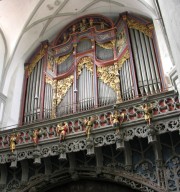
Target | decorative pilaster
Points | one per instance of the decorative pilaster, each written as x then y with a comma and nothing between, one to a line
37,155
90,146
13,159
151,133
119,136
62,151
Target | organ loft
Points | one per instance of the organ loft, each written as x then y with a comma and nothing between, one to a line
95,109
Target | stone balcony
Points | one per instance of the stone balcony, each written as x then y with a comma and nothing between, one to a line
165,120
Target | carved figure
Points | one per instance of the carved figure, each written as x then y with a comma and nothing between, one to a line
36,135
13,141
147,109
61,130
83,25
148,112
116,119
88,122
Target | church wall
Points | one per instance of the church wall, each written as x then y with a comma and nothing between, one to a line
170,15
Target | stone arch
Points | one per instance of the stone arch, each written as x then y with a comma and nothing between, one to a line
64,177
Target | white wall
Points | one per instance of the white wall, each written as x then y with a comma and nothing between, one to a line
12,109
171,17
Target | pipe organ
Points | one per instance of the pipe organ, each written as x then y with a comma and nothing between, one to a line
92,62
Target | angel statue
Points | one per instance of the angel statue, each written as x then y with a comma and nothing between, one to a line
88,122
13,141
36,134
116,119
61,130
147,109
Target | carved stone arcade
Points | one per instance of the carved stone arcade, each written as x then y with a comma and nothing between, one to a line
143,157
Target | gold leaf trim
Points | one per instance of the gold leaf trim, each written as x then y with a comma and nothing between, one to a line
35,60
54,101
88,64
109,76
49,80
123,59
63,86
142,28
61,59
108,45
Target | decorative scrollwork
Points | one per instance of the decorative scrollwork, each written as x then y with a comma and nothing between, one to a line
147,30
13,184
63,86
108,75
108,45
172,173
88,64
76,146
123,58
35,60
49,80
146,170
61,59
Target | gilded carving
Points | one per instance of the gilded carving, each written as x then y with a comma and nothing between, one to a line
35,60
88,63
54,102
143,28
83,25
88,122
61,59
13,140
50,62
116,119
108,45
63,86
147,109
109,75
123,59
49,80
61,130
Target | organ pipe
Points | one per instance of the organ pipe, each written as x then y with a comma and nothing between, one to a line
155,65
145,62
150,59
86,93
90,88
141,62
26,101
32,102
136,59
66,105
126,81
131,82
106,94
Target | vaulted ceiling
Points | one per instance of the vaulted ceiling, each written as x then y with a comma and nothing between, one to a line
26,23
